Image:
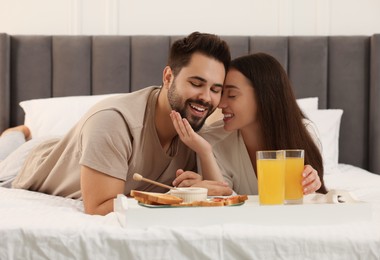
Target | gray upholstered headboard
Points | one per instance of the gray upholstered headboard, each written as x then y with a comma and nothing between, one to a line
343,71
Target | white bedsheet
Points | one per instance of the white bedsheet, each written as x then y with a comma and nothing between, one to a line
40,226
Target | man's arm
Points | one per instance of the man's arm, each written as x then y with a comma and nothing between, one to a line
99,190
192,179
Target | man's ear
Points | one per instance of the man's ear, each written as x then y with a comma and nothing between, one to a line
167,77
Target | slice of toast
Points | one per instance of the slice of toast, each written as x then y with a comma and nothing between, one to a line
155,197
233,200
146,201
212,203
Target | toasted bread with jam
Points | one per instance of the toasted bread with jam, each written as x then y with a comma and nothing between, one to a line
153,198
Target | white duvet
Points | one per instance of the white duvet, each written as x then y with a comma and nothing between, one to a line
40,226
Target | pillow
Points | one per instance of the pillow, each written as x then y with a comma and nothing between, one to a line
310,103
56,116
327,122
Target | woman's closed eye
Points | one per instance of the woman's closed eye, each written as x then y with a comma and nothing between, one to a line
232,94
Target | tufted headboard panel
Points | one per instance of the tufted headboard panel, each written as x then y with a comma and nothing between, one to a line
343,71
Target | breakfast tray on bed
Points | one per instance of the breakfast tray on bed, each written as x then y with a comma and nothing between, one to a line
133,215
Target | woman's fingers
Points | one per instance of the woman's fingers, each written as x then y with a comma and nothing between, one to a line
188,128
311,181
177,122
181,125
215,188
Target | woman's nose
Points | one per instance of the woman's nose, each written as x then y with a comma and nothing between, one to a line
222,103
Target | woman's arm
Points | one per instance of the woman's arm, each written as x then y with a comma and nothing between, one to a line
210,168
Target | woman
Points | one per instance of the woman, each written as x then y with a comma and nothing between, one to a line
260,113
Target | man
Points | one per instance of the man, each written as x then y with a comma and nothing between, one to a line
133,132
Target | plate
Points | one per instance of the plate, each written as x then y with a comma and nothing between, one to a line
170,206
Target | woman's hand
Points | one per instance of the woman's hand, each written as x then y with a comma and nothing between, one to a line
310,181
186,133
215,188
208,164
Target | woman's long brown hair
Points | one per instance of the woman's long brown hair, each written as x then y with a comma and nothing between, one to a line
278,113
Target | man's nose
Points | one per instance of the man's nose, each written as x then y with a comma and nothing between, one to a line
205,95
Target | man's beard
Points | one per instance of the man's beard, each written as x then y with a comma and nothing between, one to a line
178,105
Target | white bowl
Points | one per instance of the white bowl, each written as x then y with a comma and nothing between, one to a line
190,194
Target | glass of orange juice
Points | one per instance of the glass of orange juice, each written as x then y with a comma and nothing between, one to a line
294,165
271,177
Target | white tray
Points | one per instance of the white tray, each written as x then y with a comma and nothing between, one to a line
136,216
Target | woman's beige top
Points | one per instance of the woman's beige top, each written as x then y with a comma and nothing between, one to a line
233,159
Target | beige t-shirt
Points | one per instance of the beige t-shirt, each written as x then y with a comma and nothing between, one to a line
233,159
117,137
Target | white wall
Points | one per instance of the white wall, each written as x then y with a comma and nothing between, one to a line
172,17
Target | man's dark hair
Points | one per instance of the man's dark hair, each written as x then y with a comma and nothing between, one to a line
208,44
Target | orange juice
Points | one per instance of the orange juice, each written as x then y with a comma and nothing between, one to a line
293,178
271,181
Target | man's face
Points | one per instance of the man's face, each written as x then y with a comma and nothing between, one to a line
195,92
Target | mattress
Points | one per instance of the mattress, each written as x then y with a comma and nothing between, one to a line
40,226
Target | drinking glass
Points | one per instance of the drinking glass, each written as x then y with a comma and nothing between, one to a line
294,165
271,177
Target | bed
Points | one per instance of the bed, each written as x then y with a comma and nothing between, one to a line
335,78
